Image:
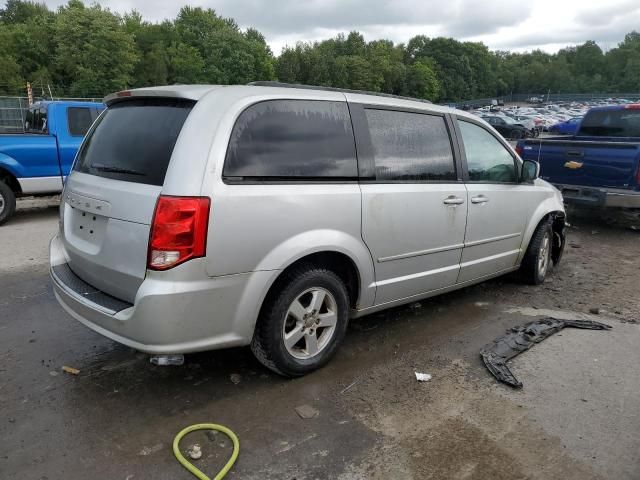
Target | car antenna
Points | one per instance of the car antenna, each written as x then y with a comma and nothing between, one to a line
539,147
540,138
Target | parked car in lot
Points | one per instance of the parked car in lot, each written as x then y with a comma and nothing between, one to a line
202,217
507,126
568,127
37,161
599,166
533,129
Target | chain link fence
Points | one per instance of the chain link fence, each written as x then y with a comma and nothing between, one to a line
13,110
12,114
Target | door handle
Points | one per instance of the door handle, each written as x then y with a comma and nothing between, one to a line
453,200
479,199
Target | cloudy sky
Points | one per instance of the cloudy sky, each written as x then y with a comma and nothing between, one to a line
501,24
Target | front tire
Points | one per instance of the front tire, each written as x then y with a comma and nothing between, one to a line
302,322
537,261
7,202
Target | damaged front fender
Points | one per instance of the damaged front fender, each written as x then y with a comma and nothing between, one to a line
558,226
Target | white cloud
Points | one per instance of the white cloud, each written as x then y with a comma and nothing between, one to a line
501,24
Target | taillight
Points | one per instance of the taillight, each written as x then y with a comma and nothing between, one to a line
178,231
519,150
632,106
638,176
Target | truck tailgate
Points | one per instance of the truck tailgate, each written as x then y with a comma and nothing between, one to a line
605,164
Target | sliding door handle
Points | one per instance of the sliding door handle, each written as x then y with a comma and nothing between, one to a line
479,199
453,200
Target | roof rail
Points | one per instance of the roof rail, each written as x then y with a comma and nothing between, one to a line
262,83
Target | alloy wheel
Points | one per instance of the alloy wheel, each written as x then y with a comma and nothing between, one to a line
310,323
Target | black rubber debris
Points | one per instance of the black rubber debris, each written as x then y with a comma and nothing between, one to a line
521,338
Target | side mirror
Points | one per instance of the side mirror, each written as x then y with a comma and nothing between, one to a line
530,171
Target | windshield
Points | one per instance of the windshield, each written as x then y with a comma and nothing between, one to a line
611,123
133,140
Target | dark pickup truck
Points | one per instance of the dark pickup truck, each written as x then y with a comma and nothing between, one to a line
599,166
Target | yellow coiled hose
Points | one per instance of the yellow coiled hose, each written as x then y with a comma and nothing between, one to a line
206,426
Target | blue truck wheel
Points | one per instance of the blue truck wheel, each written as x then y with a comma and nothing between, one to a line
7,202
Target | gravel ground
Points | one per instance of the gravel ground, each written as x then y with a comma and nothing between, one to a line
576,417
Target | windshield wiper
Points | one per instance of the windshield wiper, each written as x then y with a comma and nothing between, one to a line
113,169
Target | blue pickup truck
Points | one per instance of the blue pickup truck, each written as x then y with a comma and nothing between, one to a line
599,166
37,161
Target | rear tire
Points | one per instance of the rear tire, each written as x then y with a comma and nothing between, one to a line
302,322
537,261
7,202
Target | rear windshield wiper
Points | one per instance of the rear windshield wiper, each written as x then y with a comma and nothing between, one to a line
113,169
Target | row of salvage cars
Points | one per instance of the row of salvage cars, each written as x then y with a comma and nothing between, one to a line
563,118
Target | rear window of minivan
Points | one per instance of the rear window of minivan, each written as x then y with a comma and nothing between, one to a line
292,140
133,140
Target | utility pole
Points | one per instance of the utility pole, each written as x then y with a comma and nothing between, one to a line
29,94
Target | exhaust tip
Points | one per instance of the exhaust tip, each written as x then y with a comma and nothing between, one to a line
165,360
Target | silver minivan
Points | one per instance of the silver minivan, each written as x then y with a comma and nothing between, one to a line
203,217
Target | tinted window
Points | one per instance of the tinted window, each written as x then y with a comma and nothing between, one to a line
410,146
611,123
133,141
292,139
487,159
80,119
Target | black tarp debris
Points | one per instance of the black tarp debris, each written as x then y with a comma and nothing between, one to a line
521,338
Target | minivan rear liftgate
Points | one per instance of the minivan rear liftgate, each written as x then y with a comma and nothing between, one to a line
110,196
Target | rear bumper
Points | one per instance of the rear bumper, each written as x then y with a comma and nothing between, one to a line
599,197
172,313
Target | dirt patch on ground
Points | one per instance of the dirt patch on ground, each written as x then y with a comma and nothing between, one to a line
454,426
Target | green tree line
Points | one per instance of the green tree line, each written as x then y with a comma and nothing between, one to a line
89,51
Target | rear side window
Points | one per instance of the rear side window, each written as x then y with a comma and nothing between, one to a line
80,119
487,159
36,120
611,123
410,146
292,139
133,140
